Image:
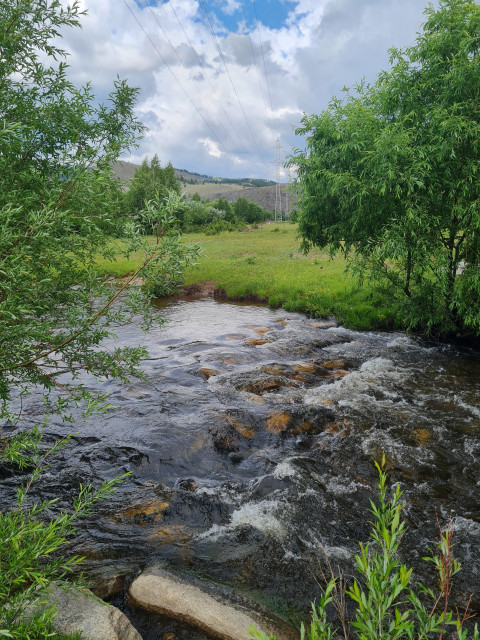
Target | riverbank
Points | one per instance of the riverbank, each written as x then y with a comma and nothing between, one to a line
266,265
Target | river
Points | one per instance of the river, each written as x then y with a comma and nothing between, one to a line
252,447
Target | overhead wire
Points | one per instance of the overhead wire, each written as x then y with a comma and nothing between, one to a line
201,64
215,135
225,133
265,67
269,115
228,74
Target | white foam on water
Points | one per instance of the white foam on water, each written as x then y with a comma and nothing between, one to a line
466,524
259,515
358,387
285,470
472,409
404,454
340,487
262,516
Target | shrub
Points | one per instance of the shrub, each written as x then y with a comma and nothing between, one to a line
31,538
386,604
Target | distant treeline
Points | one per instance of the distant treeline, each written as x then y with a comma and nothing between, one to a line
154,182
194,178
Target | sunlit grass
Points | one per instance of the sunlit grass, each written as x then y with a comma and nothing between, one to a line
267,263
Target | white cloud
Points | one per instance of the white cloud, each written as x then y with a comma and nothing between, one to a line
231,6
211,147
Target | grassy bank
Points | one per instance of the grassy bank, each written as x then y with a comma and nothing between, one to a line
266,264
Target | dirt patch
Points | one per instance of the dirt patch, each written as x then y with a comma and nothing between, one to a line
221,294
206,288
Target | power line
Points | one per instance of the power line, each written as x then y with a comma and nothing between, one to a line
177,54
172,73
265,66
203,69
255,63
228,73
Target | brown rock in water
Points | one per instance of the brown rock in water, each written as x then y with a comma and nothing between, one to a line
339,428
274,369
305,367
146,512
322,324
243,430
161,592
341,373
332,364
278,422
422,436
269,384
303,427
170,535
208,373
256,342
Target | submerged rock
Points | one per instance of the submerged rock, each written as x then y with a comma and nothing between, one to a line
162,592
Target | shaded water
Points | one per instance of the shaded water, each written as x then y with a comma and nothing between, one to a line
251,463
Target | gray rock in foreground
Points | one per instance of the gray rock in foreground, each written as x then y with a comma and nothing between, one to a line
161,592
93,619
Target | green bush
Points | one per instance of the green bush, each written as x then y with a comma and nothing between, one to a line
30,539
386,605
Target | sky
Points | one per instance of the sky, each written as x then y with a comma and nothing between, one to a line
224,83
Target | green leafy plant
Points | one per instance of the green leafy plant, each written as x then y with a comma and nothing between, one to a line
386,604
30,539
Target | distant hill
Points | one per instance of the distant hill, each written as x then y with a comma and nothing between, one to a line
255,189
126,170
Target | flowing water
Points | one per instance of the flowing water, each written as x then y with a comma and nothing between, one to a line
251,449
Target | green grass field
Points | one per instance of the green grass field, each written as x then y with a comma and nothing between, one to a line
266,264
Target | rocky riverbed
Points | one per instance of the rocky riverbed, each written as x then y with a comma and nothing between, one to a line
251,448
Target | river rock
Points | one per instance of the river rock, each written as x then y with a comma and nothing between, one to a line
95,620
162,592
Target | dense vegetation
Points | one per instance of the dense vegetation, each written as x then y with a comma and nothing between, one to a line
390,174
152,183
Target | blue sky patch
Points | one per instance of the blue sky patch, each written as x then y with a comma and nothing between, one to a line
271,13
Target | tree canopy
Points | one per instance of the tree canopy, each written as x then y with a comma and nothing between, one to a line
390,173
149,182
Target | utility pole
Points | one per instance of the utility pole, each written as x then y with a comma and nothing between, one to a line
278,175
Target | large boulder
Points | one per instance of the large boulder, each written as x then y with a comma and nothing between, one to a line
95,620
192,602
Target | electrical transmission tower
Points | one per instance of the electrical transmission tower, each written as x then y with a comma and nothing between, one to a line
278,175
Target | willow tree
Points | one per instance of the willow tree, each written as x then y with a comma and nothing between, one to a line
389,173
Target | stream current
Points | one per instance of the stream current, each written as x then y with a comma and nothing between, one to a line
252,448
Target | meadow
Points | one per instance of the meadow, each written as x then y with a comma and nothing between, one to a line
266,265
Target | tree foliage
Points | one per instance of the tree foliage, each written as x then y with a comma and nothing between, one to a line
149,182
390,173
